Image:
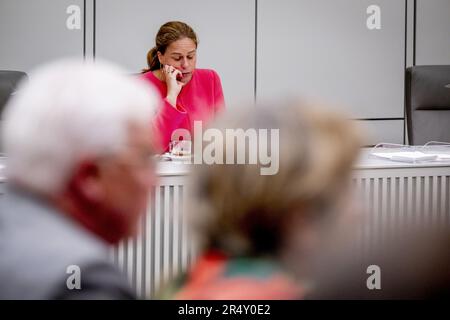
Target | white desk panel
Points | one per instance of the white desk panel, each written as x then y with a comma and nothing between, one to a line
393,194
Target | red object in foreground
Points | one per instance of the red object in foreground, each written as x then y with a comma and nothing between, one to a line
215,277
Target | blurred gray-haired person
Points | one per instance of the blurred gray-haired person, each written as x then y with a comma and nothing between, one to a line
78,146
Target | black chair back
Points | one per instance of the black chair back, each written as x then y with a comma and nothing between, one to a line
8,84
428,104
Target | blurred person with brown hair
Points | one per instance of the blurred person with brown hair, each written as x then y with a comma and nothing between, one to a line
79,168
189,94
256,232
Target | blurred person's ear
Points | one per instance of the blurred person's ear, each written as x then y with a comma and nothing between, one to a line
85,182
85,199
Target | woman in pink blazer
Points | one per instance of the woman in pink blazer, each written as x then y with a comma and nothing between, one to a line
189,94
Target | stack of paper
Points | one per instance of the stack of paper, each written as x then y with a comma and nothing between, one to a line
406,156
433,151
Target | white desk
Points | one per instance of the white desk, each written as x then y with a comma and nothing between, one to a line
393,194
397,194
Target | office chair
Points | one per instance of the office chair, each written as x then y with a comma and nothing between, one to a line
8,84
428,104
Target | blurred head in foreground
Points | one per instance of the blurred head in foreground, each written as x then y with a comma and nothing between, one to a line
78,136
77,141
256,230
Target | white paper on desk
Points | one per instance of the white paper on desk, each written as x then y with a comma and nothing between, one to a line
406,156
442,156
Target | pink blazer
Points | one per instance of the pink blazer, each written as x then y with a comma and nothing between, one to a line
201,99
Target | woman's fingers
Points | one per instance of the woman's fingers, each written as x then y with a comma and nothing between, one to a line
173,73
169,70
172,76
166,69
177,72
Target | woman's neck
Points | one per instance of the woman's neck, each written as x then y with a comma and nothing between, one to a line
158,74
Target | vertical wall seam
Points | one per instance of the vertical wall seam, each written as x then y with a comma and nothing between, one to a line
94,27
84,29
404,72
256,48
414,32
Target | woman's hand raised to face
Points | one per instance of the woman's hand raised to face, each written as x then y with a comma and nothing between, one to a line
171,76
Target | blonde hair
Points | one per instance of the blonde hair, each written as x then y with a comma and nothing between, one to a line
243,213
169,32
